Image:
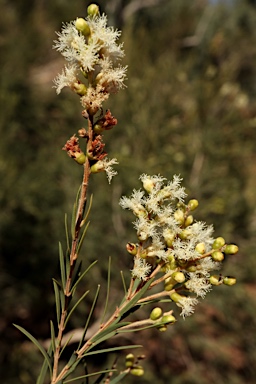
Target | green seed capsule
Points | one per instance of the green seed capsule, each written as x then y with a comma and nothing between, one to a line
131,248
81,159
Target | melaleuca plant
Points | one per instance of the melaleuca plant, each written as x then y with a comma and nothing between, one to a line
174,254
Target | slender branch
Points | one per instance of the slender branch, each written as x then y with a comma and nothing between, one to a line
73,256
155,296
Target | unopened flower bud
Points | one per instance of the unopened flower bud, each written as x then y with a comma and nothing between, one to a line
137,371
168,287
231,249
82,26
129,360
183,235
176,297
148,184
80,89
228,280
216,280
156,313
200,248
93,10
169,284
169,237
218,243
189,220
191,268
217,256
131,248
162,328
193,204
168,319
171,261
179,277
179,216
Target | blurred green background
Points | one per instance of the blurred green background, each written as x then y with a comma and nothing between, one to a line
189,109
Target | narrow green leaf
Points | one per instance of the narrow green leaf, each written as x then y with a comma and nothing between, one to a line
82,275
136,298
119,377
57,299
89,316
62,266
114,349
66,343
66,232
74,213
53,337
44,369
88,211
74,307
123,281
89,375
73,221
81,240
76,274
42,374
136,329
109,329
108,289
37,344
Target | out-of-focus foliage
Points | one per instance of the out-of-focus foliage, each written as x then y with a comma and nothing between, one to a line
189,109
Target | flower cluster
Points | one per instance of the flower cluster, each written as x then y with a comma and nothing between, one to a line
93,72
171,242
91,50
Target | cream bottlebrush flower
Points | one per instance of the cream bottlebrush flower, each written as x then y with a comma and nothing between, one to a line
152,183
106,37
94,98
111,79
200,232
73,46
187,304
105,165
135,203
95,54
145,228
140,269
67,78
197,284
185,250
